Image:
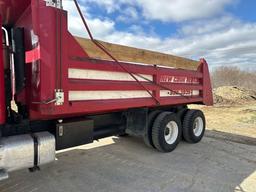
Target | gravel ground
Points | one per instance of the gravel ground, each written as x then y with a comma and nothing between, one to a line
126,164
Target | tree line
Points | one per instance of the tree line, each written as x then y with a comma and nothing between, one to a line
233,76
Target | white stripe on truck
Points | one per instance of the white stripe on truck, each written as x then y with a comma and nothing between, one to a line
100,95
104,75
83,95
103,95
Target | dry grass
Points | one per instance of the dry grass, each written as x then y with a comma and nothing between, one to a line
236,119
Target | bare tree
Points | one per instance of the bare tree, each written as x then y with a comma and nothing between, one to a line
233,76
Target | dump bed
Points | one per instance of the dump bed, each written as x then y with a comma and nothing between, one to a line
67,77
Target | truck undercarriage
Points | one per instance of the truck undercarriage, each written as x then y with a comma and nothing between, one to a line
54,96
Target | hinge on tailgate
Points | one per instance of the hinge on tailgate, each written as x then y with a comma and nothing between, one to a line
54,3
59,97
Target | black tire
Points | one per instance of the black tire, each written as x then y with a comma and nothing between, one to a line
147,137
191,124
123,135
181,113
159,131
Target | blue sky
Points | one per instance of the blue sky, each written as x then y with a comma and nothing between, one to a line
222,31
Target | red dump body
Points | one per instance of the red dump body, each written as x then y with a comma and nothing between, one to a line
55,61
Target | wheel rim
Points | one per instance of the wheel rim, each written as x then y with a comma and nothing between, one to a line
171,132
198,126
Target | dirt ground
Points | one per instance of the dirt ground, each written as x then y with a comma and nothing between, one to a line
237,120
234,113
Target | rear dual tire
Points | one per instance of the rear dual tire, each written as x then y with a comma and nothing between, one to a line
166,132
148,133
165,129
193,126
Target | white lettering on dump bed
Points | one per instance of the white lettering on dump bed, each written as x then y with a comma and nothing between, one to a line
176,79
168,93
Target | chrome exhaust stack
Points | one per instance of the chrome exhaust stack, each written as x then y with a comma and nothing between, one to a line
25,151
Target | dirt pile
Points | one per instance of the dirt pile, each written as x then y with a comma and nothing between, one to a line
228,95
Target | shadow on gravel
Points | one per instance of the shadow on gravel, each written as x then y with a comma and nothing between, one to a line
230,137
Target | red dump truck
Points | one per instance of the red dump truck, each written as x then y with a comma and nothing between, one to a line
54,96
